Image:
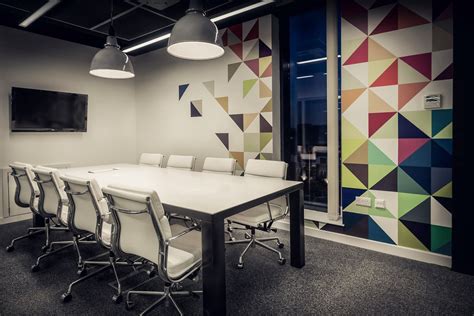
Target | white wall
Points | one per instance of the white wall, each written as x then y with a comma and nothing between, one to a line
34,61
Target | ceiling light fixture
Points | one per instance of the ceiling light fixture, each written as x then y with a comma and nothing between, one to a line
110,62
195,36
316,60
40,12
215,19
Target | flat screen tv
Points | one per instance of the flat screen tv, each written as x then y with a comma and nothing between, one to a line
47,111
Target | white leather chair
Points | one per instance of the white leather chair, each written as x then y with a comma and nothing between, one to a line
89,214
181,162
52,205
219,165
148,159
26,195
263,216
143,230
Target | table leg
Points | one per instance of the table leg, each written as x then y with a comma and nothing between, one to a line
297,247
213,268
38,221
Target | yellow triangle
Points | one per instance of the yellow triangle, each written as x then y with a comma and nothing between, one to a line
377,67
248,119
349,146
445,133
224,103
446,191
407,74
265,92
349,131
264,62
377,105
407,239
349,180
378,52
268,107
360,155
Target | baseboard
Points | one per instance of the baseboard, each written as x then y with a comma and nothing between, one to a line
17,218
398,251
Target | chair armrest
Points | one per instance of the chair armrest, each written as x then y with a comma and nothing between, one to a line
184,232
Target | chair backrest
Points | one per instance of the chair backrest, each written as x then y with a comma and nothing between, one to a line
141,225
149,159
87,204
52,195
26,189
181,162
219,165
269,169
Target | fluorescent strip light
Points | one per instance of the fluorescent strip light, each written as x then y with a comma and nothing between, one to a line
305,77
216,19
40,12
317,60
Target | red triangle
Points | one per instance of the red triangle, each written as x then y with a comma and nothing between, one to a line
267,72
406,92
254,32
389,23
421,62
225,38
408,18
360,55
407,146
388,77
253,65
377,120
355,14
237,30
238,49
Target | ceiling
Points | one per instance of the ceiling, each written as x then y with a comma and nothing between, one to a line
87,21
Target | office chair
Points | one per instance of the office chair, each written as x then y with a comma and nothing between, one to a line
142,229
154,160
89,214
219,165
26,195
263,216
181,162
52,205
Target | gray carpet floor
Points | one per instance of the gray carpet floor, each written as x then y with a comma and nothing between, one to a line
337,280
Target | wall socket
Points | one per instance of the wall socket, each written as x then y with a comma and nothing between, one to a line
364,201
380,203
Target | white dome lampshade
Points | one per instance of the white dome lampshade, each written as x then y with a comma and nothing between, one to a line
195,36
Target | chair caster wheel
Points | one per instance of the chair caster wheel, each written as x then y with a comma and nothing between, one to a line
35,268
151,273
247,236
129,305
281,245
82,272
240,266
232,239
10,248
66,297
117,298
282,261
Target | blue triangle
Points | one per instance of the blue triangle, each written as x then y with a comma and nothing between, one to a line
349,195
421,175
420,158
420,213
440,177
182,89
440,157
376,233
444,250
440,119
406,129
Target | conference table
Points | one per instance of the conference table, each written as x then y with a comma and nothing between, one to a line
209,198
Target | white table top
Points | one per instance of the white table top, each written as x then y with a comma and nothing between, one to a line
196,191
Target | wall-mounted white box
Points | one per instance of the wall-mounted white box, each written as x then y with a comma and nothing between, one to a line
432,101
380,203
364,201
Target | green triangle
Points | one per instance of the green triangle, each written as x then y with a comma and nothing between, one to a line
378,172
407,184
408,201
354,208
407,239
421,119
349,131
388,130
265,138
253,53
445,133
248,85
349,146
232,69
349,180
440,236
446,191
373,211
376,156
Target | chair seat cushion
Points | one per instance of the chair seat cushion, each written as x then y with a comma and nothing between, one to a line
256,215
183,251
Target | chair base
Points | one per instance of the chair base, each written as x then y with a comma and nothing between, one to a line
167,294
31,232
252,241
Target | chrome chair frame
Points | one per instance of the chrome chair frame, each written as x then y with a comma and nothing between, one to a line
82,264
172,285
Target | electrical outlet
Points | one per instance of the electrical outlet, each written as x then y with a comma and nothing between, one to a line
380,203
364,201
